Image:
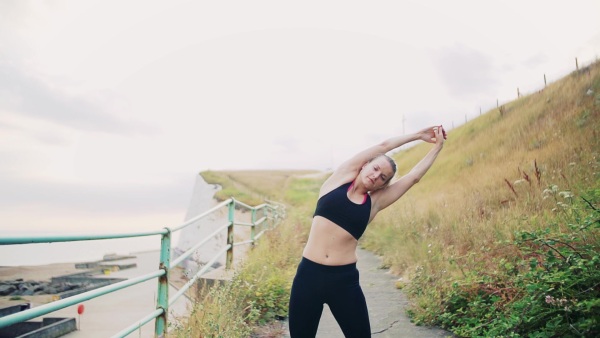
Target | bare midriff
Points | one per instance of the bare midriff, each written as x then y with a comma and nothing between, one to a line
329,244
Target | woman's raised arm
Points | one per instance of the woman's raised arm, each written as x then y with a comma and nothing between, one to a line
390,194
357,161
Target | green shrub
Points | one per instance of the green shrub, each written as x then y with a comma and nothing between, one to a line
551,289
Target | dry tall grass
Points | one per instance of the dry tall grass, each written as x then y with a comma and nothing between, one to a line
490,180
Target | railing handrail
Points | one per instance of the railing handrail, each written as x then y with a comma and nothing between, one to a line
276,213
202,215
90,237
9,240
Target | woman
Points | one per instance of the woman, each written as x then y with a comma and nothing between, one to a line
349,200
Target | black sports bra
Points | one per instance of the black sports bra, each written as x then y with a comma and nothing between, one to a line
338,208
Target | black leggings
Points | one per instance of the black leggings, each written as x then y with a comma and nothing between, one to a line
338,286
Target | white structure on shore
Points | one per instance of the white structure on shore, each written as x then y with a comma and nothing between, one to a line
202,200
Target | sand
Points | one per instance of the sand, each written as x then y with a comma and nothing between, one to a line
37,272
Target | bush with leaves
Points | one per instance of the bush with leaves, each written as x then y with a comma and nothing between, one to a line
550,289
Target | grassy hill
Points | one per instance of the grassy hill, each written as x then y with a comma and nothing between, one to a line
514,193
500,238
253,186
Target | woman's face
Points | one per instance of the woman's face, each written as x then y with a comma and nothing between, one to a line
376,173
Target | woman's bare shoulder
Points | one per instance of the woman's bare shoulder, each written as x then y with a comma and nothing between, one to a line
335,180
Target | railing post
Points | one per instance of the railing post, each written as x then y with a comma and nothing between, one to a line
253,227
162,301
229,260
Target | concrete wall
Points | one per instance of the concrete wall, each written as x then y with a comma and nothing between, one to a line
9,310
48,328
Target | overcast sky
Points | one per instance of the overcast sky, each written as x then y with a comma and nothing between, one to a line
109,109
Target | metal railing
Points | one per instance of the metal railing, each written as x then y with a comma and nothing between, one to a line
269,215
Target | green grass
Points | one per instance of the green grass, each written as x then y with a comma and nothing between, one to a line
252,187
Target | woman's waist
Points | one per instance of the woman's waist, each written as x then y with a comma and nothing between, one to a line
330,254
316,266
329,244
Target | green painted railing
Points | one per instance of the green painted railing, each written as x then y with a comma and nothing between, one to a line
269,215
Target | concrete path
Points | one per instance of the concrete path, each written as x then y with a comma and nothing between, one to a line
387,306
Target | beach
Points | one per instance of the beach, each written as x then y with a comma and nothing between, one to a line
38,273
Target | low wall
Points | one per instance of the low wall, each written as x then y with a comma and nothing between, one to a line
47,328
9,310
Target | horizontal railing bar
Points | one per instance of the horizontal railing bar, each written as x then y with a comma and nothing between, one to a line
195,247
202,215
259,234
242,243
139,324
60,304
187,285
243,204
73,238
258,207
273,205
244,224
251,224
261,206
273,202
